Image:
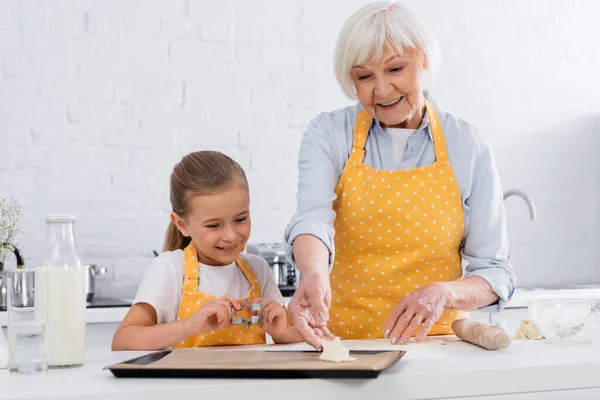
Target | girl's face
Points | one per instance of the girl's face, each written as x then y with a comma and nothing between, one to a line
219,224
390,90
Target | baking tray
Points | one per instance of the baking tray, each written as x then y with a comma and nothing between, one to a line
204,363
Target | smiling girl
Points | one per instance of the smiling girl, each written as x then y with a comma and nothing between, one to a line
188,295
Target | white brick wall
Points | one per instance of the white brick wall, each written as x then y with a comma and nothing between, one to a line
99,98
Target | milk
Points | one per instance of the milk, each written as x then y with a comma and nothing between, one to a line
60,300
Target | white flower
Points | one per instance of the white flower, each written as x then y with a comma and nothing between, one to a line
10,215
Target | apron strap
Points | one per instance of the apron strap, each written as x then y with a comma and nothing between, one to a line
190,269
362,124
191,276
255,291
439,142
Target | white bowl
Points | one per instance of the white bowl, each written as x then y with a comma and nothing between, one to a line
562,320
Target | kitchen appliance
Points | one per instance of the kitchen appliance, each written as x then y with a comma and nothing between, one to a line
285,274
91,271
4,280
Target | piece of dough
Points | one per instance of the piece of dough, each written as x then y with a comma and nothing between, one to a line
334,351
528,330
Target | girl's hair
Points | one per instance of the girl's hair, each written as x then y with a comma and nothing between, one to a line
197,174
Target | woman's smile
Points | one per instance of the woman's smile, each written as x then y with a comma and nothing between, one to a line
390,105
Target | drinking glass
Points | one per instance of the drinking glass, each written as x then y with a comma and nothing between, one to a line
27,350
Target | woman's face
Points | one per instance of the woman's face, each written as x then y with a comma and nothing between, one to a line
219,224
390,90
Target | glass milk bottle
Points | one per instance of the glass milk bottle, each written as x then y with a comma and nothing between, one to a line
60,293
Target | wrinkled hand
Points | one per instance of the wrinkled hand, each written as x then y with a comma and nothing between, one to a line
274,317
422,307
213,315
309,308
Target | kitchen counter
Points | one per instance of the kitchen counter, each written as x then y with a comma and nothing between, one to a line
455,370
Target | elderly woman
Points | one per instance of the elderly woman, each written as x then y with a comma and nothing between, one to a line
394,193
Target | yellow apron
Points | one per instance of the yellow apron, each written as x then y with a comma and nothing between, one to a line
396,231
192,300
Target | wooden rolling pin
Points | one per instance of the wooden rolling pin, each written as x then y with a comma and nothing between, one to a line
489,337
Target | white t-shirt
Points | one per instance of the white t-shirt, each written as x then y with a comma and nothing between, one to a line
163,282
399,138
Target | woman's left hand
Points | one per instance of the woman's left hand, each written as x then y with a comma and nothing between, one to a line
423,307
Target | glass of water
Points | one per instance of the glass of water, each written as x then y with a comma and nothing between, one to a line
27,350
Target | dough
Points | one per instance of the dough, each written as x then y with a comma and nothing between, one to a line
334,351
528,330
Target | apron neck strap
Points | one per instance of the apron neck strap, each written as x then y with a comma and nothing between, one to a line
192,276
248,274
439,143
363,124
190,268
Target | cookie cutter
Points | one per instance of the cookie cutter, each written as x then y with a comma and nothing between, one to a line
254,319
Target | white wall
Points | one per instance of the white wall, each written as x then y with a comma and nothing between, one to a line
99,98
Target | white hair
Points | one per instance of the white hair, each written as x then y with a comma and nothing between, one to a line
366,33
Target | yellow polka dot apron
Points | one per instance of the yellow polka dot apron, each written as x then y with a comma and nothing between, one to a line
396,231
192,299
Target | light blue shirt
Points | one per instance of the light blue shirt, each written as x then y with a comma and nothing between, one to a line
326,146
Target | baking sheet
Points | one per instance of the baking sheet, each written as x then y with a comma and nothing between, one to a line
353,345
207,363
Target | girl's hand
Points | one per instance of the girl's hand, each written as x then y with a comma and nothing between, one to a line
213,315
274,318
421,308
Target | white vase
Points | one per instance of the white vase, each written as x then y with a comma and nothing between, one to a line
3,350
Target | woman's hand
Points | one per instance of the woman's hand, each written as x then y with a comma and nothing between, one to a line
213,315
422,308
309,308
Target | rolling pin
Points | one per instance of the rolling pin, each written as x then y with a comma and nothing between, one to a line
489,337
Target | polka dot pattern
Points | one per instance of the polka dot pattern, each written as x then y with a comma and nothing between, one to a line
192,300
402,228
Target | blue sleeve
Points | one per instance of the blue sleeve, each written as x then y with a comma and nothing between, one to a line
317,178
485,247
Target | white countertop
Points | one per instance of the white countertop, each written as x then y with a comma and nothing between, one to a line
457,370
